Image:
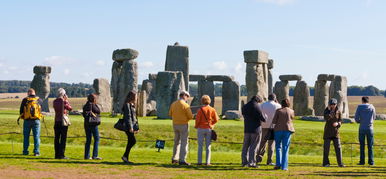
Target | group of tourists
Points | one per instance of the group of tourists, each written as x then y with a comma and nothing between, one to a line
266,125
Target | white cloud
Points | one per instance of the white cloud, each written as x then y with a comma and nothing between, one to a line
146,64
66,71
6,72
1,64
238,67
277,2
57,60
100,62
220,65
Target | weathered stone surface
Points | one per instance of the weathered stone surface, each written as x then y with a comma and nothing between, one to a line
219,78
255,56
300,102
151,108
331,77
195,101
197,77
380,117
232,114
281,90
338,90
321,97
270,63
124,79
270,82
121,55
177,59
290,77
141,104
102,89
206,88
152,76
256,79
230,96
41,85
169,84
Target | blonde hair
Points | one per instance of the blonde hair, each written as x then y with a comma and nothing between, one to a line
205,100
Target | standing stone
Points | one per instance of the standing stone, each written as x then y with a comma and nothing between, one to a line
124,76
149,87
169,84
256,77
41,84
230,96
281,90
321,95
338,89
206,87
141,104
102,89
301,99
177,59
270,76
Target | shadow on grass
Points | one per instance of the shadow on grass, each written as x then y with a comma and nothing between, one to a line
213,167
376,172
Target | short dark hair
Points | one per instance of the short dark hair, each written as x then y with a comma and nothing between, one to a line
285,103
365,99
272,97
257,99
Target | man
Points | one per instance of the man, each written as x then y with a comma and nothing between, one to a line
365,115
333,118
268,109
30,111
252,131
181,114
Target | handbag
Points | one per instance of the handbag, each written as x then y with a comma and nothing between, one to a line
121,125
65,119
213,134
93,119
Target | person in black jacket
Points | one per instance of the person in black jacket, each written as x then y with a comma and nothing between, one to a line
252,131
91,128
130,118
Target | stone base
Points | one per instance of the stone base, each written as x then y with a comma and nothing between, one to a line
232,114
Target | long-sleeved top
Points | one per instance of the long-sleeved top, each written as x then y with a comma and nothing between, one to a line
206,117
61,107
331,132
90,107
252,117
180,112
24,102
283,120
365,115
269,109
129,116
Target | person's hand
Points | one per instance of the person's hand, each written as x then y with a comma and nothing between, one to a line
335,124
131,130
65,97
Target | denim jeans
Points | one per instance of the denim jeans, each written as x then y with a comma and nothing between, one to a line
33,125
282,143
91,131
369,135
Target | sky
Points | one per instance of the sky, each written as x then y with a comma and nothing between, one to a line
306,37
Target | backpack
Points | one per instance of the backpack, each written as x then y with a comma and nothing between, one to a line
32,109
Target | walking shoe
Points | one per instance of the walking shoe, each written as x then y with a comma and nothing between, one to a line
326,165
244,165
371,164
184,163
97,158
174,161
341,165
271,164
253,166
276,168
37,155
208,164
89,158
125,160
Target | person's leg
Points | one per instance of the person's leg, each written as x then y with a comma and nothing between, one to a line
36,134
130,143
63,139
244,152
56,141
184,142
326,151
261,150
208,141
95,133
278,143
271,148
286,145
177,143
362,146
200,141
26,133
88,142
338,151
126,154
255,146
370,143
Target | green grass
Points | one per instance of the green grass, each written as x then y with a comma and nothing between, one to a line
305,151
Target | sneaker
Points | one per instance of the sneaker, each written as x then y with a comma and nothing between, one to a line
97,158
286,169
326,165
371,164
174,161
184,163
276,168
208,164
37,155
125,160
271,164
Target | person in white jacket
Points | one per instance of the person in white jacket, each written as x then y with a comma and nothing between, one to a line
268,109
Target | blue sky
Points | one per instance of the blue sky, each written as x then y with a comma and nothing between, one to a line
306,37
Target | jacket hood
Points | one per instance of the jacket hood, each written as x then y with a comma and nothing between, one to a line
366,107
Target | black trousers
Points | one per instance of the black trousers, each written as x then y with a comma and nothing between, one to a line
60,139
130,143
326,151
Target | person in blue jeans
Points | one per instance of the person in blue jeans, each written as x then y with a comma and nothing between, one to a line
365,115
30,111
91,128
283,127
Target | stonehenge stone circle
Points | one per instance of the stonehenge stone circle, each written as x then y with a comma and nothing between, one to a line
41,85
230,96
321,97
270,76
206,87
300,101
169,84
124,76
281,90
141,104
256,77
338,90
290,77
177,59
102,90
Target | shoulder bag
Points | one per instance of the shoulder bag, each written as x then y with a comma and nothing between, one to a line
214,134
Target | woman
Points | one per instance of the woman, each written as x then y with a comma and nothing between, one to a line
91,129
206,118
131,121
283,128
61,107
333,118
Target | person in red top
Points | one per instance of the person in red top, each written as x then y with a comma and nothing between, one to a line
61,106
206,118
